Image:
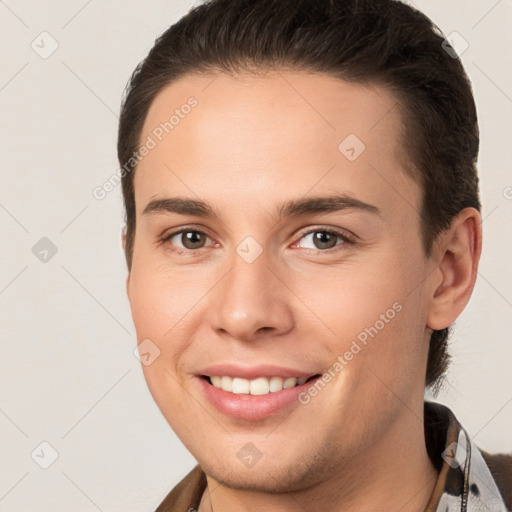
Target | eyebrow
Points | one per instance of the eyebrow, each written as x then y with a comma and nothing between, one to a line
291,208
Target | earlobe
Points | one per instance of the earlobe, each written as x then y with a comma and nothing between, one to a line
460,250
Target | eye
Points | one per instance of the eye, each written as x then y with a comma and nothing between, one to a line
325,240
191,240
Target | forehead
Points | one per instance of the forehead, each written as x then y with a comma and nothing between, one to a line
282,133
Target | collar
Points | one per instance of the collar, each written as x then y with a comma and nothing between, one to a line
465,482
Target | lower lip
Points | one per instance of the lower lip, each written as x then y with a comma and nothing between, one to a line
253,407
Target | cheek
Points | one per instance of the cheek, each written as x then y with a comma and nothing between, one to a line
164,307
156,308
374,315
147,307
154,300
394,353
352,296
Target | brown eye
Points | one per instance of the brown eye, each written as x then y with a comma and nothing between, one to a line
192,239
323,240
185,241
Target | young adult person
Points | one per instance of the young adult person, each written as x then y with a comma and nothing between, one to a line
302,228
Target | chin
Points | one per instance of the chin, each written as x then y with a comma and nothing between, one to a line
267,476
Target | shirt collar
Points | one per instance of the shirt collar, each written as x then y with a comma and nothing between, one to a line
465,483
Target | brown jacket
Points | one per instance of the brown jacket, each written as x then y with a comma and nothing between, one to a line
470,479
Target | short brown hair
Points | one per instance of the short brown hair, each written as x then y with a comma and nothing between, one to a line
382,42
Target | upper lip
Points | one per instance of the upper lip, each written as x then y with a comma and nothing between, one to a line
253,372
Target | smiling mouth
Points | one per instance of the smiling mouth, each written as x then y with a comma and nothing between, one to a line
258,386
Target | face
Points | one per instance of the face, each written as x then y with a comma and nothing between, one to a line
276,281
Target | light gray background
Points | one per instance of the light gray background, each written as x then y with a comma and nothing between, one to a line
67,372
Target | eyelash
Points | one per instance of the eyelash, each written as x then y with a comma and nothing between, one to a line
347,239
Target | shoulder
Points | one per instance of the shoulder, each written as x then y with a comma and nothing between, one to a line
500,465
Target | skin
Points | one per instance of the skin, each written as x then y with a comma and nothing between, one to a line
252,143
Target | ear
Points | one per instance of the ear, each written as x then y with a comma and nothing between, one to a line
458,253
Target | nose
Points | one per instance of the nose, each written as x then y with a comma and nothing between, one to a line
251,301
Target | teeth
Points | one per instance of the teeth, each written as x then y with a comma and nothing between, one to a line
259,386
276,384
239,386
289,383
226,383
